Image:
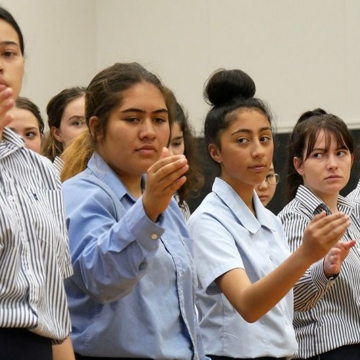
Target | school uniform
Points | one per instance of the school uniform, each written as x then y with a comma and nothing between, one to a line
132,293
227,236
327,311
34,252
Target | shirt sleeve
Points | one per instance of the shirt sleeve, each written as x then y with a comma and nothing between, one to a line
109,256
215,251
313,284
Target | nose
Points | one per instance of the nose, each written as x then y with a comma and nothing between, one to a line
147,130
258,149
263,185
332,163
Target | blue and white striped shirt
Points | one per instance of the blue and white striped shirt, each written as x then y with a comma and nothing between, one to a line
327,312
34,252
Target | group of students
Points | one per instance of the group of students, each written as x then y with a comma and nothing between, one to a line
115,249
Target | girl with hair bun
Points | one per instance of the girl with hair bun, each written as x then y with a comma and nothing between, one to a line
244,266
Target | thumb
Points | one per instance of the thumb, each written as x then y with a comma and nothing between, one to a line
165,153
348,245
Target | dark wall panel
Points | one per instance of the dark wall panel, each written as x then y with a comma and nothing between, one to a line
278,202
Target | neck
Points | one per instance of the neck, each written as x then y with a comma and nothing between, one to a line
330,200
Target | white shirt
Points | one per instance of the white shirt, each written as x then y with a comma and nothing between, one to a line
34,253
227,236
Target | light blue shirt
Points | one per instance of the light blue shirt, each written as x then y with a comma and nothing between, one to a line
227,236
132,293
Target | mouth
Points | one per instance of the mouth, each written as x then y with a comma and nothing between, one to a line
258,167
333,177
147,150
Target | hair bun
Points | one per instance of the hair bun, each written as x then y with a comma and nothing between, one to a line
227,85
309,114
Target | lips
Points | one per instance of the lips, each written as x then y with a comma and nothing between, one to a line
147,148
333,177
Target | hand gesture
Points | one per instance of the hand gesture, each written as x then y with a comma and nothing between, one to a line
164,178
322,234
335,257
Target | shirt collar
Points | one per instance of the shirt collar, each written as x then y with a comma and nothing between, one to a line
237,206
104,172
315,205
10,142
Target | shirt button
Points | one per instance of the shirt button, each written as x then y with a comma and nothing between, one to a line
271,257
154,236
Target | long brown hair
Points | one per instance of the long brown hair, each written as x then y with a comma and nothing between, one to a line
102,96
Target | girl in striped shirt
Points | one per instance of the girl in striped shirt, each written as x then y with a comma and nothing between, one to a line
327,300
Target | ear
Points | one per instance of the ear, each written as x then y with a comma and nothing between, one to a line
56,133
93,126
298,165
215,153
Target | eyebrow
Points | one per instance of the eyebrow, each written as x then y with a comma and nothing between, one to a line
8,42
27,128
76,117
178,138
248,131
143,111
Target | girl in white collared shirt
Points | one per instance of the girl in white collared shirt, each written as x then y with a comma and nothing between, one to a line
244,269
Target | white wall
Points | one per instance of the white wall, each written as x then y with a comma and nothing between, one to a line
301,54
60,46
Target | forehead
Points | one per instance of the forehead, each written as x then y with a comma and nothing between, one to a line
8,34
143,95
248,119
23,118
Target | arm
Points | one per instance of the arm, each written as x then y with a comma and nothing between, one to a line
111,255
315,282
252,301
63,351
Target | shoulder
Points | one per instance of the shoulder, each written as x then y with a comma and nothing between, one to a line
294,212
87,190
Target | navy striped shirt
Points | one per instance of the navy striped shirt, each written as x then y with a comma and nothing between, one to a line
327,312
34,252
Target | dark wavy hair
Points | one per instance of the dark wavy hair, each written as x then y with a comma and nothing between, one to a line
303,139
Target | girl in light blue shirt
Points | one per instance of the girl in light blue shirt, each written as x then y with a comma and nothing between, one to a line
132,293
245,271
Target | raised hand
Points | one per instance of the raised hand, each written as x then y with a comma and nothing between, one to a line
322,234
164,178
335,257
6,103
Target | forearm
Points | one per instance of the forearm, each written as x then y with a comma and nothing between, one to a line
63,351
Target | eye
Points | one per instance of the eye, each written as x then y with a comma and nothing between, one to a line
317,155
342,153
132,119
242,140
8,54
265,138
160,120
31,134
176,143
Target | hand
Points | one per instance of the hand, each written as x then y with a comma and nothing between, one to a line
6,103
322,233
164,178
335,257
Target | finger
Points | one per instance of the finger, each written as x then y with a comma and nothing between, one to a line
165,153
172,166
348,245
166,160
